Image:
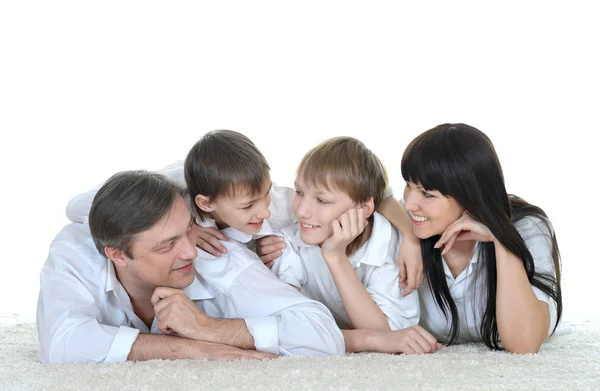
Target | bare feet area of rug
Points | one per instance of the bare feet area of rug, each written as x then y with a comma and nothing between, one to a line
570,361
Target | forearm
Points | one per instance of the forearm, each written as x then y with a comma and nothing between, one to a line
362,311
157,346
523,320
231,332
395,213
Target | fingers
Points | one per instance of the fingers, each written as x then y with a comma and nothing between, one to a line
265,249
270,258
208,240
162,293
428,339
255,355
269,264
450,243
268,240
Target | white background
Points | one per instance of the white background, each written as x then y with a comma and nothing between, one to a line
91,88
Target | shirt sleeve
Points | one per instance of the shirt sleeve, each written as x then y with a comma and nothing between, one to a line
389,192
281,210
67,321
384,288
538,240
288,267
78,208
280,319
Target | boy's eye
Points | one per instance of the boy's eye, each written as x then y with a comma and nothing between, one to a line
299,193
248,206
322,201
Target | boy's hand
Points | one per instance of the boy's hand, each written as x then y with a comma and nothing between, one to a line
344,230
208,240
269,249
410,263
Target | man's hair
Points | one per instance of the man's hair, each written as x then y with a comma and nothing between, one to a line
129,203
224,162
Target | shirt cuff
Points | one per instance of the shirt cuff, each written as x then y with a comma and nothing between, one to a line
265,333
121,344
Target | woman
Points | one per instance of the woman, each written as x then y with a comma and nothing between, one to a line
491,260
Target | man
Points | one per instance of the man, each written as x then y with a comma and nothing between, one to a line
129,286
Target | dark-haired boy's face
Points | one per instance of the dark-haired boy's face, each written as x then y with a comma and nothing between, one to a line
431,211
244,210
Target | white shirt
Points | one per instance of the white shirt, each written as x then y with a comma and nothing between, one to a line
470,295
375,264
84,314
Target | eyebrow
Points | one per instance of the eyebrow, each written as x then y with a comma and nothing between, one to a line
164,242
255,199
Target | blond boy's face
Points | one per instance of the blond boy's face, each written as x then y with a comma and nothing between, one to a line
316,208
244,211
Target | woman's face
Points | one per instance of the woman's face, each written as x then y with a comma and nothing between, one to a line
431,211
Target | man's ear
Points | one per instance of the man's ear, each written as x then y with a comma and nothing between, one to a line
369,207
117,256
204,203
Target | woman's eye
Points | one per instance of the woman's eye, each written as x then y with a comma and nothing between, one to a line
427,195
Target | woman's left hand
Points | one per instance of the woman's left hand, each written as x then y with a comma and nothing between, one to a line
465,228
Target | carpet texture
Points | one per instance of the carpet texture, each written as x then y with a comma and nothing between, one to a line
566,362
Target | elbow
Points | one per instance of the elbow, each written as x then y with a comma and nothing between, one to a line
523,348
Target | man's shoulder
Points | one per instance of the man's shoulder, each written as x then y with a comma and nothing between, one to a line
73,249
221,272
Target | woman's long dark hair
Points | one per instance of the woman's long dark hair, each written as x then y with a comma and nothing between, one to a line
460,161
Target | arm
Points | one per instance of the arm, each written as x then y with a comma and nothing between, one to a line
362,311
153,346
412,340
177,313
409,257
68,317
280,319
523,320
523,312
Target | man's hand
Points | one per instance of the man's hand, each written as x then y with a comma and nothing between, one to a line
176,313
269,249
208,240
410,263
219,352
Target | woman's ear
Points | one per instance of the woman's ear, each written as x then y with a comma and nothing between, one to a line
204,203
369,207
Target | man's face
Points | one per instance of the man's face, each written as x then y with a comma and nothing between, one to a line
163,255
244,211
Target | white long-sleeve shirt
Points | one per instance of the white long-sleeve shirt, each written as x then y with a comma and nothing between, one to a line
84,314
375,264
470,294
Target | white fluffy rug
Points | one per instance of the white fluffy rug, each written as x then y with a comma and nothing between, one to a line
567,362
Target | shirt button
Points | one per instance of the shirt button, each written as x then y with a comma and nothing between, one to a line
358,264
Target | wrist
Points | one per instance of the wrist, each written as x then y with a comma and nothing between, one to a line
335,257
205,328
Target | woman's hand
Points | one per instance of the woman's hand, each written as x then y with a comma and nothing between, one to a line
465,228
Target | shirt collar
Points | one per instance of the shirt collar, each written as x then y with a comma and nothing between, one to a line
197,290
240,236
112,282
373,252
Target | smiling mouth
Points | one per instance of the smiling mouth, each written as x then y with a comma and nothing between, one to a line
183,267
309,226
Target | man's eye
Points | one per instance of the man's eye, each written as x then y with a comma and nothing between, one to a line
321,201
